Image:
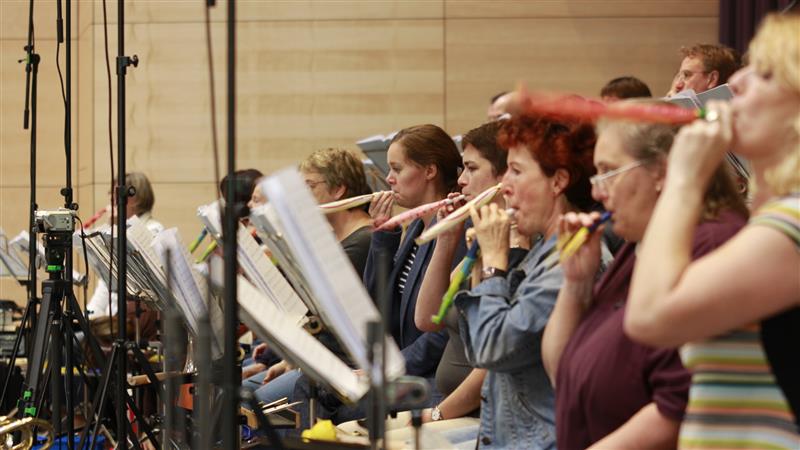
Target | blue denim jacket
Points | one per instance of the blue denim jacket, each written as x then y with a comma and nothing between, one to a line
502,321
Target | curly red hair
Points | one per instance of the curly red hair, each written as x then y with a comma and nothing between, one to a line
557,144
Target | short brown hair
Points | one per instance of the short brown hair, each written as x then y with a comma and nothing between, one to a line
625,87
429,144
484,139
338,167
244,181
557,144
145,198
724,60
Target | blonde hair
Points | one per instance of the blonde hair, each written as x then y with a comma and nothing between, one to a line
776,50
338,167
145,198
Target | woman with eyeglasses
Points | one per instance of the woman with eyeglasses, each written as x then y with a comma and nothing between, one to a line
715,303
612,392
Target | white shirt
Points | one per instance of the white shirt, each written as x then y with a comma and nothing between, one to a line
98,305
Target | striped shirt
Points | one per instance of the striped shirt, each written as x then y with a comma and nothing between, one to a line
406,270
782,214
734,401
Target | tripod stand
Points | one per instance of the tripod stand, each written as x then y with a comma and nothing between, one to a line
54,331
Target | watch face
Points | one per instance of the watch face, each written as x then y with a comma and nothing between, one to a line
436,414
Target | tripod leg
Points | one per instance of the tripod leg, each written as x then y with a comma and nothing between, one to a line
12,361
99,401
31,393
56,380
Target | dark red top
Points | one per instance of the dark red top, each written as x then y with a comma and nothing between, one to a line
604,378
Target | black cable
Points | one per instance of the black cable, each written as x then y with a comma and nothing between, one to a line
85,256
111,159
212,92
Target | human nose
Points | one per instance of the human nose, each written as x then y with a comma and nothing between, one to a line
462,179
507,185
737,80
599,192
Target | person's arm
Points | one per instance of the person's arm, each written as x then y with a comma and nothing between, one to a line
435,283
98,305
465,398
575,295
673,300
423,355
648,428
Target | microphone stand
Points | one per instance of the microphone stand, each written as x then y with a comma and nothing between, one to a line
28,121
232,372
122,232
68,203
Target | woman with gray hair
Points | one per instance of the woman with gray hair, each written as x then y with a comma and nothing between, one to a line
612,392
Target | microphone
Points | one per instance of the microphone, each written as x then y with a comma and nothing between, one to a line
59,22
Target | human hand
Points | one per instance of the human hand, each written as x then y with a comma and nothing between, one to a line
491,227
252,369
700,146
260,349
380,209
452,235
582,265
276,370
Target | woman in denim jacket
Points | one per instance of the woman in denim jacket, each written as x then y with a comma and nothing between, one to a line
503,318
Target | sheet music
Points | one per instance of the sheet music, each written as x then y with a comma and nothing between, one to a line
190,289
97,251
21,243
685,98
268,226
295,344
261,272
145,266
210,217
345,305
258,268
10,263
722,92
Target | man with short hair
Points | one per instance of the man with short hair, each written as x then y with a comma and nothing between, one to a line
704,66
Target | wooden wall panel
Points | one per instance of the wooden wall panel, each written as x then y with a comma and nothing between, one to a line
14,203
15,13
518,9
487,56
312,74
14,140
182,11
301,85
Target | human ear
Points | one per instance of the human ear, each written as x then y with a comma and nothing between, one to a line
560,181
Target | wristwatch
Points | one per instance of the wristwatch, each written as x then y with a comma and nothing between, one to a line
436,414
489,272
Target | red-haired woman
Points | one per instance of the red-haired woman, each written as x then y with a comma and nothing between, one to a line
503,318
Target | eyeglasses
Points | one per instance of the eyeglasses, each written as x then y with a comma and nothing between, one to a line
312,184
601,181
684,75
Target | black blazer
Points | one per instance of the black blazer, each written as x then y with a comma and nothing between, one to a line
422,350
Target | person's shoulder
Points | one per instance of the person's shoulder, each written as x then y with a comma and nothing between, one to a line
724,226
712,233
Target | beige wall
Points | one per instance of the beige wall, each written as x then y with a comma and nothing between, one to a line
311,74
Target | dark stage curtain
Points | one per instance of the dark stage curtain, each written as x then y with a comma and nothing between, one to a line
739,19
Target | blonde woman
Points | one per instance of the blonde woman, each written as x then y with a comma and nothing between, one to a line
753,277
